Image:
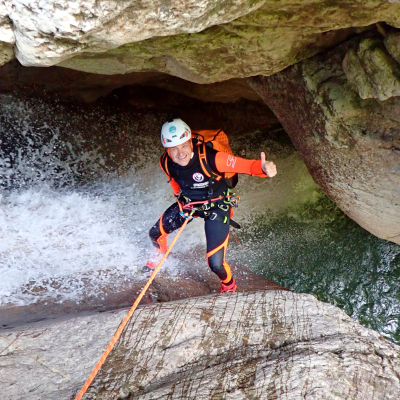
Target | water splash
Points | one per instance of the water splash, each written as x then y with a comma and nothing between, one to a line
35,152
69,225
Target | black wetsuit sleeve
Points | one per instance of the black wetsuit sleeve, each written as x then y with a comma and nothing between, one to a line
211,153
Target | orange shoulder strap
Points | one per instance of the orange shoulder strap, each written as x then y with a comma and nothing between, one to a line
204,164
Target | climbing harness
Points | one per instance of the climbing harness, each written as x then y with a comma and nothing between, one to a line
205,208
127,318
228,198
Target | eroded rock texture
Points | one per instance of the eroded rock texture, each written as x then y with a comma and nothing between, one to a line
72,85
259,345
351,146
201,41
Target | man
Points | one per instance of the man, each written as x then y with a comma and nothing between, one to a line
206,198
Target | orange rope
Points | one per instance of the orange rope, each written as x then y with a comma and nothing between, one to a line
237,241
125,321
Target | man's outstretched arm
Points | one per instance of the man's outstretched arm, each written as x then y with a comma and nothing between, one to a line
228,163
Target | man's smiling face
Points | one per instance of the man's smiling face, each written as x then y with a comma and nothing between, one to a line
182,153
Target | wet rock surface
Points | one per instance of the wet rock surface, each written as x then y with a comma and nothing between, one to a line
351,146
165,287
264,345
199,41
70,85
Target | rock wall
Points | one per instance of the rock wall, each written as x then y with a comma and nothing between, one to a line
200,41
261,345
70,85
351,146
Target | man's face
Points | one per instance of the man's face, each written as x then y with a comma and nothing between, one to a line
182,153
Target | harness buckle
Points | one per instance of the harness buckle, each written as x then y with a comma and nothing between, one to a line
213,216
206,206
223,207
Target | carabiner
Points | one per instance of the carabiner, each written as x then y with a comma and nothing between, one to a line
186,215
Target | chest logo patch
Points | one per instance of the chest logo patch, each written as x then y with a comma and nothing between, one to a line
198,177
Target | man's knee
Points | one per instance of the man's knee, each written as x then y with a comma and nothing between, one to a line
216,264
154,232
158,237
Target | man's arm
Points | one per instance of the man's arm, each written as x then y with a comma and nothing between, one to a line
175,187
225,162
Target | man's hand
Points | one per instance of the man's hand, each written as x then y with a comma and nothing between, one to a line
268,167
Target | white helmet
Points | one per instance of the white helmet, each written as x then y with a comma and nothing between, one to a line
175,132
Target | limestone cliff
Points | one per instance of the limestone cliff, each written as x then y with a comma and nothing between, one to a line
200,41
259,345
351,146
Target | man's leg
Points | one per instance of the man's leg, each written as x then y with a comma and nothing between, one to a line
170,221
217,235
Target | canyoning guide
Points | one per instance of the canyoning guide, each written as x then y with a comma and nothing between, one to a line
202,178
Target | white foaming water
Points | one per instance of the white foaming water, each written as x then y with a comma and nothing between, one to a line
53,242
48,236
68,231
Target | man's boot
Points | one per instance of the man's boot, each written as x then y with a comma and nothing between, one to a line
230,287
151,265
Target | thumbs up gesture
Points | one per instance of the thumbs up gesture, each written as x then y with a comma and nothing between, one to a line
268,167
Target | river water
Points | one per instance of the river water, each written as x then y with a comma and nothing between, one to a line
71,226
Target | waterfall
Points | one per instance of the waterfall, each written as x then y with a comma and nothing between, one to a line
70,226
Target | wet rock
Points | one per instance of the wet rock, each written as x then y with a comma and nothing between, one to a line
260,345
199,41
164,288
6,28
7,38
371,71
392,44
71,85
49,32
351,146
6,53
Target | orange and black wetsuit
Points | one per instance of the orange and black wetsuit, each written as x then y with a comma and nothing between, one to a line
190,184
